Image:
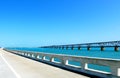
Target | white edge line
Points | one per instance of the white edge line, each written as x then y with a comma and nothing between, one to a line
18,76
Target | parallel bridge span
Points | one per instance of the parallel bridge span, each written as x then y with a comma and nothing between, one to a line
101,45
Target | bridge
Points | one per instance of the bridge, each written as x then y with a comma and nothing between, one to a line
101,45
28,64
15,66
114,64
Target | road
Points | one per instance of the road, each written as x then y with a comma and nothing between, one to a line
14,66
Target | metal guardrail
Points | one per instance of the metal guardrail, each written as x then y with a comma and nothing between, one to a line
114,64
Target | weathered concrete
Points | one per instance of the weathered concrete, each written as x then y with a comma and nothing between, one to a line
28,68
114,64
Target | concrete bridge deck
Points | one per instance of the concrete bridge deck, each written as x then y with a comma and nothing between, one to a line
14,66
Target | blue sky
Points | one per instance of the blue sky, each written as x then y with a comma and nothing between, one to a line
32,23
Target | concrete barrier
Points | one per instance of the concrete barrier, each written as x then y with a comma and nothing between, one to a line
114,64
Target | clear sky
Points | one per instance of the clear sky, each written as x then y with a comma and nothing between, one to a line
48,22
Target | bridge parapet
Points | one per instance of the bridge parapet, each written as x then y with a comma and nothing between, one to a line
114,64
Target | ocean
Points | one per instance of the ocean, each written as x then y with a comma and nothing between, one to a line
94,52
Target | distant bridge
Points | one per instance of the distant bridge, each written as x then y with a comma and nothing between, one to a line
102,45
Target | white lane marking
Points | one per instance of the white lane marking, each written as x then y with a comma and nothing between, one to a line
18,76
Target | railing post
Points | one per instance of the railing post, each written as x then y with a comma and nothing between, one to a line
51,59
24,53
30,54
38,56
84,65
64,62
43,57
115,71
27,54
35,55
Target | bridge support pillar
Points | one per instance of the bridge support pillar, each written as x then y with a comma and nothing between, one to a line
102,48
116,48
88,48
66,48
72,48
59,47
62,47
79,48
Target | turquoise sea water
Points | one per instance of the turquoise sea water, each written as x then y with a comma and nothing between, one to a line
94,52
